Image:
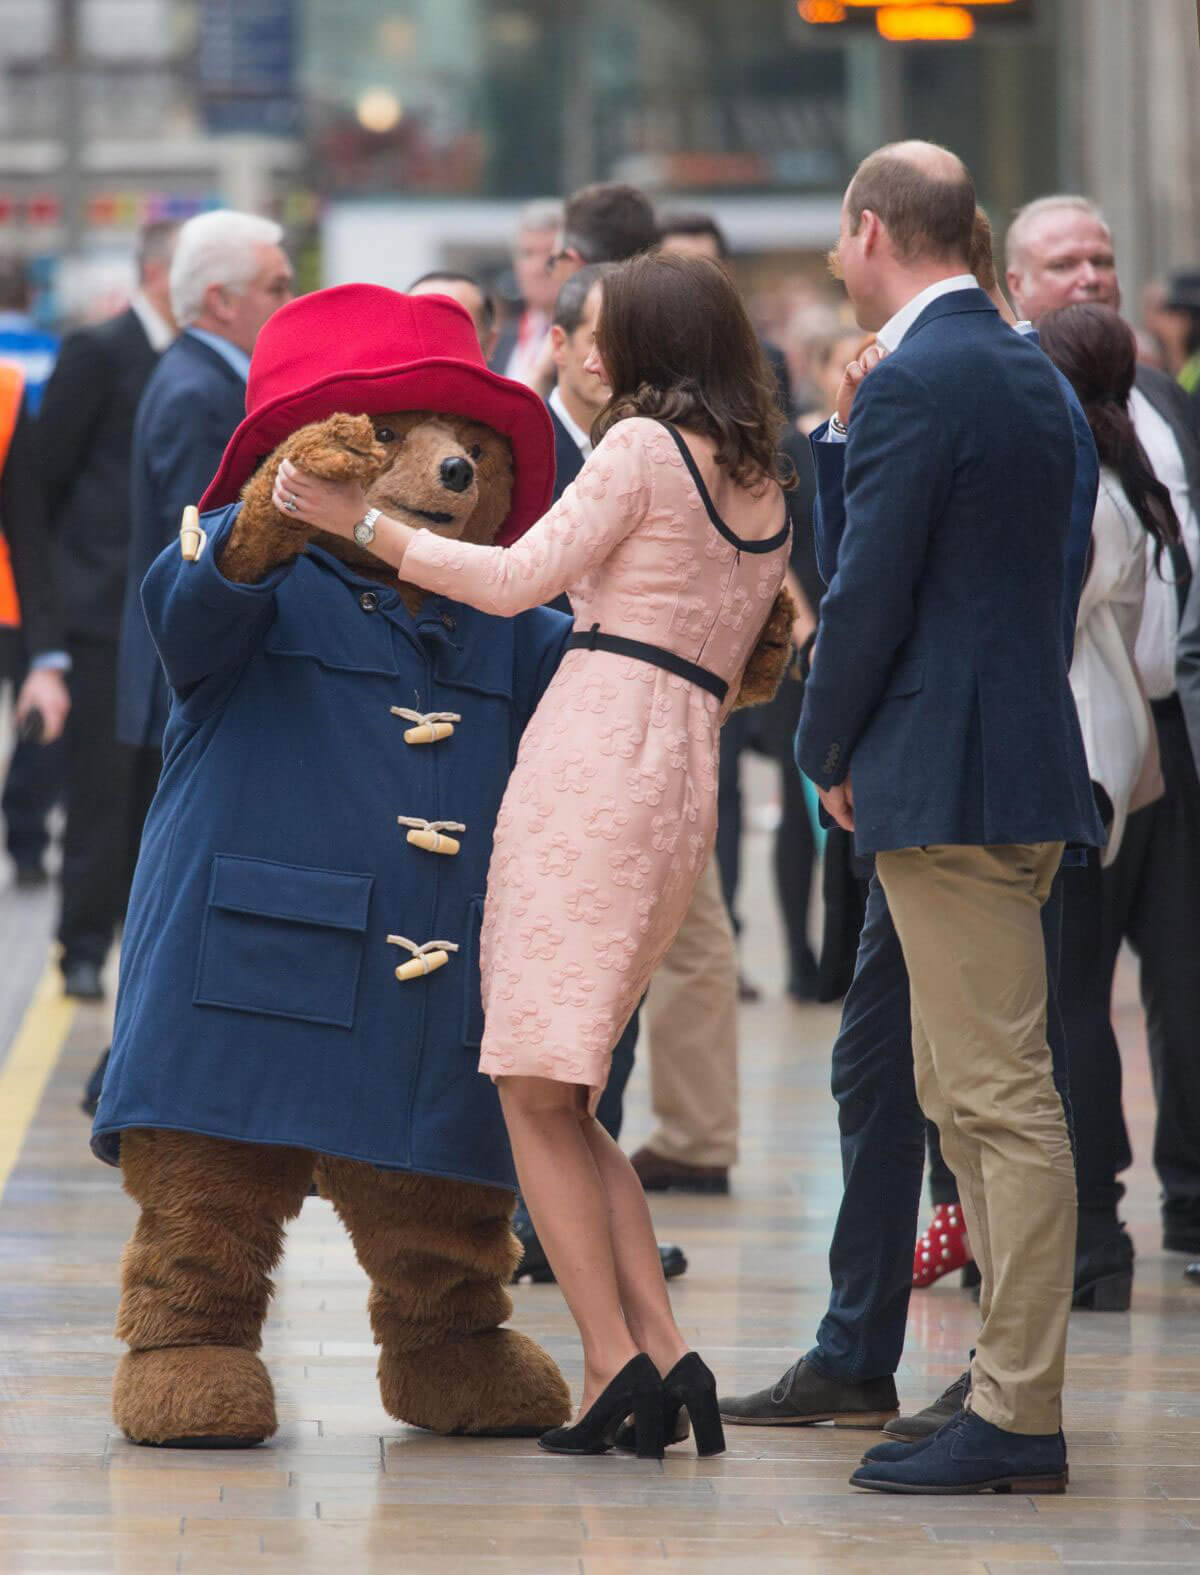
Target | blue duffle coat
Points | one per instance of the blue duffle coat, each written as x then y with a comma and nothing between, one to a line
258,997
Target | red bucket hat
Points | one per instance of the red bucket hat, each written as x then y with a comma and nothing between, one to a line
362,349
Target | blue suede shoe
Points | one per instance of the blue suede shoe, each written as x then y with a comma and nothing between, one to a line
970,1455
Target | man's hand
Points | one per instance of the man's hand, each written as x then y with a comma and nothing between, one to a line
839,804
44,690
855,375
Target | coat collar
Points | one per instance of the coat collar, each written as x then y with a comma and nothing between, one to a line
952,305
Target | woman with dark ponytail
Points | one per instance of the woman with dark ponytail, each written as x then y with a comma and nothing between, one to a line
1095,349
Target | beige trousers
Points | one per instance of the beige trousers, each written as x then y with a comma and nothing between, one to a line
969,923
691,1022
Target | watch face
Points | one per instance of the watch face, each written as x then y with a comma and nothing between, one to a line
364,533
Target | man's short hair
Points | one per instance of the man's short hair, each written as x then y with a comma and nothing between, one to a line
544,214
572,298
449,276
927,215
694,224
983,260
216,248
609,222
15,290
1025,218
154,243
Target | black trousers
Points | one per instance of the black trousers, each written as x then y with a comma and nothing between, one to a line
1149,896
109,789
32,786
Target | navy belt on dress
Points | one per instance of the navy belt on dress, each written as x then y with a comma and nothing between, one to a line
656,655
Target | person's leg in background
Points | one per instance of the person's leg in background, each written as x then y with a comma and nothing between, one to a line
100,774
32,787
847,1377
691,1016
1164,928
735,738
794,853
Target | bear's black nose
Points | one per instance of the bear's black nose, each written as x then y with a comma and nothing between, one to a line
457,474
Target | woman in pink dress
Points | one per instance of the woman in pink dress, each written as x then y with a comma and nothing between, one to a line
671,544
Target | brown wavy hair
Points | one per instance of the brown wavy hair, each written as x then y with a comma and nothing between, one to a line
677,345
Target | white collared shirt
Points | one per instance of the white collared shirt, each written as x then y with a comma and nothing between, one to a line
894,330
581,439
1157,637
158,330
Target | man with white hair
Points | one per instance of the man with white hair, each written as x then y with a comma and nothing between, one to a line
1060,251
523,340
228,275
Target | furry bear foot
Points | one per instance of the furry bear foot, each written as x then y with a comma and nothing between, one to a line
194,1397
499,1384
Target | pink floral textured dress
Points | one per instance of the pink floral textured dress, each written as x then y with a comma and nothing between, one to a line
611,809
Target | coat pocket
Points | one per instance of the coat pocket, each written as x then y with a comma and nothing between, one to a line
907,678
282,940
472,983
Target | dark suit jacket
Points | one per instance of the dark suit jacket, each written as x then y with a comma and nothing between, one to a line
939,675
1177,410
34,561
568,461
85,437
187,415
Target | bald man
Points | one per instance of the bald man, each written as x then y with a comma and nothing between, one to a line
939,691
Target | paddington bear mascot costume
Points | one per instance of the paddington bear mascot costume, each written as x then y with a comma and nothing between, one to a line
300,994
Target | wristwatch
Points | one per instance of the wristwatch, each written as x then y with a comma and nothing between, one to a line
364,531
837,425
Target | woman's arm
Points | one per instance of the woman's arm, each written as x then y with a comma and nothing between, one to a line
598,510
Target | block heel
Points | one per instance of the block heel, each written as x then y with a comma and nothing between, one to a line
691,1386
649,1426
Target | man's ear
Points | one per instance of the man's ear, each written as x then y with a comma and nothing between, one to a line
218,302
870,231
558,343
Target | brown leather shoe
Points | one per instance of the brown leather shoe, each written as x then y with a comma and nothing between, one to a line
657,1174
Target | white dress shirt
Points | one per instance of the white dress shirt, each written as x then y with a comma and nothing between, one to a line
898,324
158,330
1159,632
581,439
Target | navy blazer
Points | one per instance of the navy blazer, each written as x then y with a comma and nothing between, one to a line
187,414
568,461
940,670
258,997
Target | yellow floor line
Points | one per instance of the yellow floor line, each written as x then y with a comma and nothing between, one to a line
31,1059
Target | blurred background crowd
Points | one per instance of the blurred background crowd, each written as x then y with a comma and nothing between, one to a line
505,151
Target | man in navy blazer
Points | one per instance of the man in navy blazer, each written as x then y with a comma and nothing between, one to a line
228,275
847,1377
939,726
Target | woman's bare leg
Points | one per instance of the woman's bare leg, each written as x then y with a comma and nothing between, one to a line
565,1194
643,1290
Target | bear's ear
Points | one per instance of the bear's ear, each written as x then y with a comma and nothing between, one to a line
494,470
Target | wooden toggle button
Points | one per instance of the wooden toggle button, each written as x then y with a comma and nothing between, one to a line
425,959
428,727
193,538
419,966
433,841
428,733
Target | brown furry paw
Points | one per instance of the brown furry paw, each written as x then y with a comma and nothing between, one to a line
194,1397
498,1383
769,658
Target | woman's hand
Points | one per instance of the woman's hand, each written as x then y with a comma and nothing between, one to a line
335,506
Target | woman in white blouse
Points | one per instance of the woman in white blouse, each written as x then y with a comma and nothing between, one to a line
1096,351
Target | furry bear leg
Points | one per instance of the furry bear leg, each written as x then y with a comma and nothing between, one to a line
439,1254
195,1283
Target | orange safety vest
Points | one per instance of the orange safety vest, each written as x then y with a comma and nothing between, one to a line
12,391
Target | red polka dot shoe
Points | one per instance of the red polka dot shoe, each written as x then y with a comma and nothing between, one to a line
943,1247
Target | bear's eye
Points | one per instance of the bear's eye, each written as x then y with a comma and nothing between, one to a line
384,435
474,451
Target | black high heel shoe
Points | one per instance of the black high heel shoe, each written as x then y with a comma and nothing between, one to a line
690,1387
636,1389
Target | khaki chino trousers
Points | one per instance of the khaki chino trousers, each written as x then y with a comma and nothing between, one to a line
968,920
691,1017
